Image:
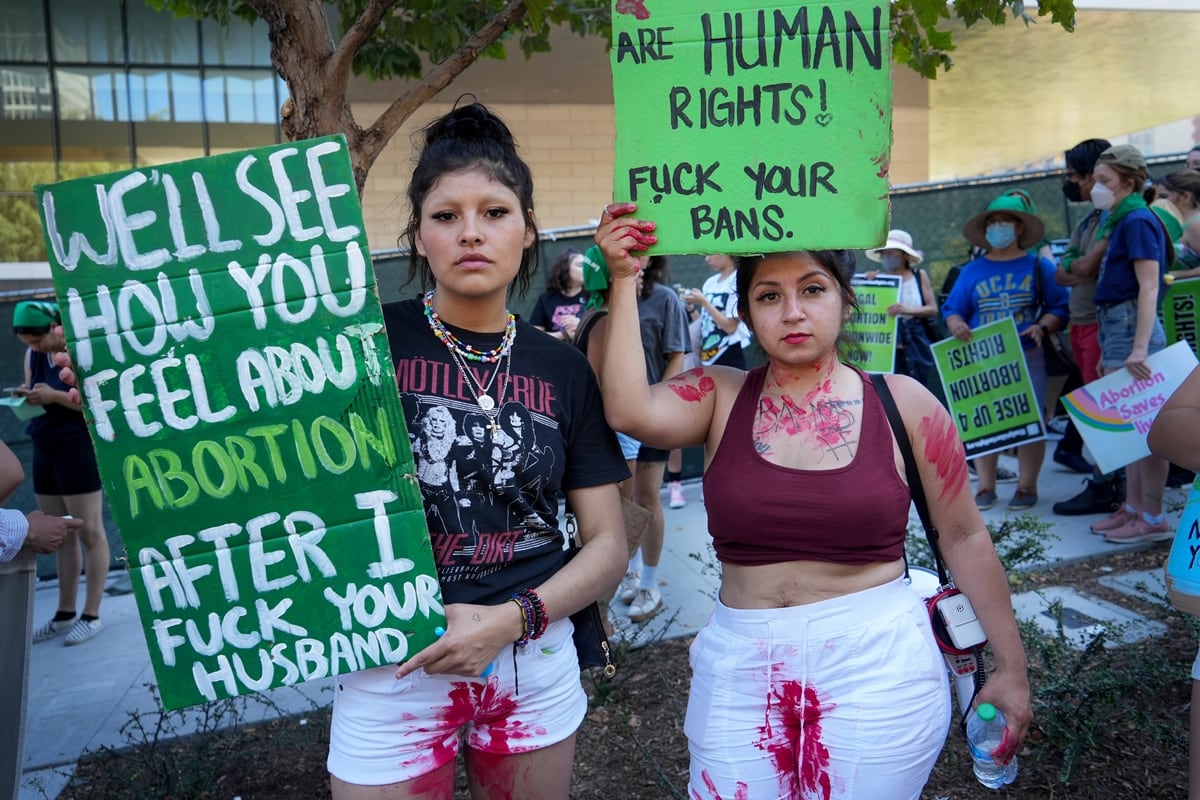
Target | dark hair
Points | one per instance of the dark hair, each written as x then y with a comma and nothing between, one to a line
656,271
1184,181
29,330
840,264
1082,157
469,137
556,281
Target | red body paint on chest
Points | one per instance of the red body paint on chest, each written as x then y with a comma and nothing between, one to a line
944,449
792,737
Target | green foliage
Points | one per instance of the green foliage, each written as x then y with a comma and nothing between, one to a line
1021,541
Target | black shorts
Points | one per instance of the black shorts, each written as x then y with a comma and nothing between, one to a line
65,465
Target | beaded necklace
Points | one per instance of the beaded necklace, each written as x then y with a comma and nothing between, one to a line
456,345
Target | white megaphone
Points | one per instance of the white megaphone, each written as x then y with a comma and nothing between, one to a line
963,664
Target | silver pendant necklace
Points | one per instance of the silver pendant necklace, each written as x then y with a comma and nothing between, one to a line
483,398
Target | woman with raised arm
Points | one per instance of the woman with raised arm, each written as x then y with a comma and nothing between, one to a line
817,674
504,677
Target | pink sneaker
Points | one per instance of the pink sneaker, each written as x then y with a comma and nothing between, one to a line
1117,519
1138,530
677,499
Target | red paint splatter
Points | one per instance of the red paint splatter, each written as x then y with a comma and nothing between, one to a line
689,392
740,791
436,785
944,449
792,737
495,773
635,7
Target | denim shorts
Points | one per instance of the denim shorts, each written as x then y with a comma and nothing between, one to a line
1118,323
633,450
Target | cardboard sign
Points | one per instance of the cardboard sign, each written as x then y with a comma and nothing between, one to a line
1181,300
988,390
1114,413
871,326
752,128
238,386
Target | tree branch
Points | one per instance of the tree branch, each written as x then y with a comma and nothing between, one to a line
376,137
337,71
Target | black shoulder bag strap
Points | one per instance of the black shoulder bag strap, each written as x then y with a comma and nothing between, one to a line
915,487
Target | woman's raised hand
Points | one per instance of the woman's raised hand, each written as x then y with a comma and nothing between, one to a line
621,236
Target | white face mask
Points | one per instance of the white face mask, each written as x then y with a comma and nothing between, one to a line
1102,197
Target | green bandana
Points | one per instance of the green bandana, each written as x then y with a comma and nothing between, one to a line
596,276
35,314
1132,202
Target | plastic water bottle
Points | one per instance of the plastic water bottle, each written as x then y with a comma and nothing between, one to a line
985,731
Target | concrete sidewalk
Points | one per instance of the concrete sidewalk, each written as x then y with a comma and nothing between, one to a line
82,696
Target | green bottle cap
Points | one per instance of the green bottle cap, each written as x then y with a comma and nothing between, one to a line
986,712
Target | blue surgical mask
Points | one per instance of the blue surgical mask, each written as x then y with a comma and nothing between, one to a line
892,261
1001,234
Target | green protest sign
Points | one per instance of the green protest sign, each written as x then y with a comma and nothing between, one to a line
986,384
1181,299
238,385
750,128
873,329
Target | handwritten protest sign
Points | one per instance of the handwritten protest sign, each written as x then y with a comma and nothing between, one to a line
986,384
872,327
1183,565
1180,304
745,127
238,385
1114,413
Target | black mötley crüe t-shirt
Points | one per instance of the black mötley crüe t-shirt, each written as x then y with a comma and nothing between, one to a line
491,492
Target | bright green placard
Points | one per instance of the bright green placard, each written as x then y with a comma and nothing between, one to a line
751,128
872,327
239,389
986,384
1180,304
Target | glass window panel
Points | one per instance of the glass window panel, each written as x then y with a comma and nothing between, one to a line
164,142
238,44
95,140
22,32
232,95
157,37
92,94
164,96
86,30
25,93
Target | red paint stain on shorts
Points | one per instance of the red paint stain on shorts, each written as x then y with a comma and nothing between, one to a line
635,7
740,792
792,737
944,449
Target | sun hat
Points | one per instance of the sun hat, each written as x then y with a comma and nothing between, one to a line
1033,230
897,240
1123,155
35,314
1172,220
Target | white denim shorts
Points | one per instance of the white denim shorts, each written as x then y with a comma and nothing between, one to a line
386,730
846,698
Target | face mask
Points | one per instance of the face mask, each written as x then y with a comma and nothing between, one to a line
1102,196
1072,192
1001,234
892,260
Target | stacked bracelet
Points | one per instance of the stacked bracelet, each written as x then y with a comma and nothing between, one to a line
533,615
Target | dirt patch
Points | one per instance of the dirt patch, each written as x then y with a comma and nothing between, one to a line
1112,721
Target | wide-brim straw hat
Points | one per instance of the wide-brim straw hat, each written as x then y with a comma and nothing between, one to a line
1033,230
898,240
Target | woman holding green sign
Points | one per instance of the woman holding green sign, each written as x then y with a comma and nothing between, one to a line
818,668
503,678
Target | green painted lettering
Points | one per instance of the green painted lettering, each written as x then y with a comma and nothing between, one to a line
224,464
322,425
167,468
138,478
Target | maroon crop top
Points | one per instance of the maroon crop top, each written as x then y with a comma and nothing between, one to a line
764,513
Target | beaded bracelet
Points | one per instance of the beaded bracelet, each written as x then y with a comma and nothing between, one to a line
533,615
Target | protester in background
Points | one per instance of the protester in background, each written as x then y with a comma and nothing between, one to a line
723,335
814,627
914,308
1000,285
21,537
1193,158
691,360
1183,190
1175,436
1127,301
396,731
1079,269
66,479
559,308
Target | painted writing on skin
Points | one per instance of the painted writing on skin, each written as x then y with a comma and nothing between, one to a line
685,389
125,213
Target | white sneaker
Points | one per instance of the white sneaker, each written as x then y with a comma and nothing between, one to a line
645,605
677,499
628,588
83,630
52,629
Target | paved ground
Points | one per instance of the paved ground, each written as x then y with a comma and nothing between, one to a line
81,697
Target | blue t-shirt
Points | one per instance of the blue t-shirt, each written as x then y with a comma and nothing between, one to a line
1139,235
987,291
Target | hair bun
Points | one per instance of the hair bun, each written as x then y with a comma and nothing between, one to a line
470,122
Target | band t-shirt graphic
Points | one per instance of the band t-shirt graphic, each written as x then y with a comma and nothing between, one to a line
490,480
